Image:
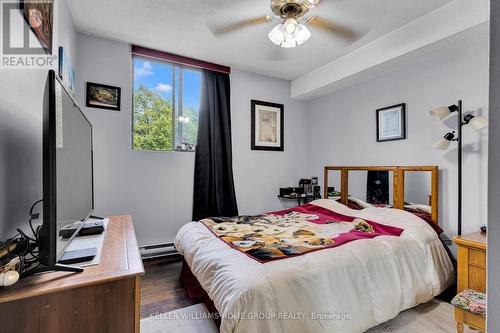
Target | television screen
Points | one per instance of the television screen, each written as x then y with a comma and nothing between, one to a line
74,199
68,198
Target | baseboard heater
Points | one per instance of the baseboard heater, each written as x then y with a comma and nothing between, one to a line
158,250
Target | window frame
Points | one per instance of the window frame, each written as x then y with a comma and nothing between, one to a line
176,111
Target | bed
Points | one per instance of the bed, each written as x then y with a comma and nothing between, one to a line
347,288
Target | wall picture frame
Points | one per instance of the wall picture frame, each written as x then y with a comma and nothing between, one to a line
101,96
66,71
391,123
267,126
39,15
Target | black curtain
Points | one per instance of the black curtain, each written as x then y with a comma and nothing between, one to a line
214,193
377,187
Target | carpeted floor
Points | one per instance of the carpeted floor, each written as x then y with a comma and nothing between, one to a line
434,317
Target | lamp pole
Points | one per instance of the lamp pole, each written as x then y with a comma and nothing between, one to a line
477,123
460,124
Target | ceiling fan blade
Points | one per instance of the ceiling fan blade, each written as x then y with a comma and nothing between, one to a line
222,30
332,27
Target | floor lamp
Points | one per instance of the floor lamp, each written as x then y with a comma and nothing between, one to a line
476,122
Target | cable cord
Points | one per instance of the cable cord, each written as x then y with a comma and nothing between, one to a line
27,247
32,217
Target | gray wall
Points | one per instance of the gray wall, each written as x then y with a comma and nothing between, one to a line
156,188
342,130
259,174
494,174
21,97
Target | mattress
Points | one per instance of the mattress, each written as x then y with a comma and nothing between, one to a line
344,289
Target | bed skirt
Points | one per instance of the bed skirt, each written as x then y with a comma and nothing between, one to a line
196,292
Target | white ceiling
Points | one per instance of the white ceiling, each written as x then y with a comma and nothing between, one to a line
182,27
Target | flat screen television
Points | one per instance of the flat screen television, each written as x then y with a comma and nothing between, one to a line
68,187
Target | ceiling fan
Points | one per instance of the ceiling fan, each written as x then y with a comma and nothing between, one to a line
292,30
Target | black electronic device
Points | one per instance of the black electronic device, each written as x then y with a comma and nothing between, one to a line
285,191
76,256
88,229
317,191
68,188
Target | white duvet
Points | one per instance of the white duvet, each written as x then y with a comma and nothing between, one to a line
345,289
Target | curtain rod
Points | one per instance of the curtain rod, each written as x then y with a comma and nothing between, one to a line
143,51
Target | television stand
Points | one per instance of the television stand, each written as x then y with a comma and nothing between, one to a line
104,298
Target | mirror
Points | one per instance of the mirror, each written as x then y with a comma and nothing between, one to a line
418,190
372,187
333,184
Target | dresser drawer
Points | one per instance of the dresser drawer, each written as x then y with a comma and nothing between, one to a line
477,258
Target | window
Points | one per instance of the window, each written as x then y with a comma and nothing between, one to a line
165,106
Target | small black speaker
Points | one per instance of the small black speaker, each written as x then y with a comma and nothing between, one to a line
285,191
317,191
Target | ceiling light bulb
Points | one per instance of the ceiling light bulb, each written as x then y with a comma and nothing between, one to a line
291,25
276,35
303,34
478,123
313,2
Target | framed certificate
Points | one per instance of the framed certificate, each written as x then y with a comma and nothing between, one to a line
391,123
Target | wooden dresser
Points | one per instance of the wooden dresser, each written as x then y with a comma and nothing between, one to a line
471,275
103,298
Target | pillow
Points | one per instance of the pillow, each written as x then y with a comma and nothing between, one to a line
472,301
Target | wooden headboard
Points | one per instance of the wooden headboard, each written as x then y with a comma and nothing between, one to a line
398,183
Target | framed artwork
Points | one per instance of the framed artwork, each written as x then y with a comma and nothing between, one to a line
101,96
267,128
66,71
39,14
391,123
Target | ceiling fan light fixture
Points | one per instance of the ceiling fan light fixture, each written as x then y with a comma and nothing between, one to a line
289,42
303,34
277,35
291,25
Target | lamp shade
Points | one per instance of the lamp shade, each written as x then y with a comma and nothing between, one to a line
303,34
291,26
443,112
276,35
440,113
289,42
478,123
441,144
444,143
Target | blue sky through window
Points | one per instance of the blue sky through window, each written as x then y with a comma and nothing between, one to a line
192,88
154,76
167,128
157,76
